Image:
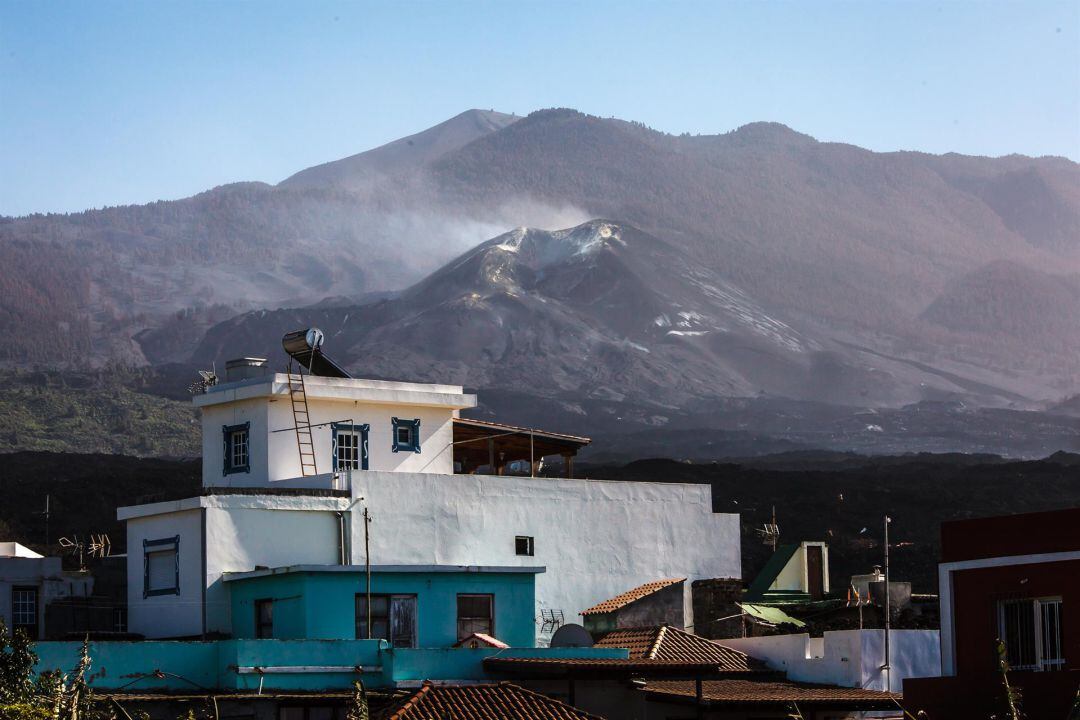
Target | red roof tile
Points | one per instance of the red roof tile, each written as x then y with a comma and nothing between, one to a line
620,601
480,702
771,692
667,643
480,640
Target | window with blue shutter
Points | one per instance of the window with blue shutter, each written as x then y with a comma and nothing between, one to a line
237,448
406,435
349,446
161,567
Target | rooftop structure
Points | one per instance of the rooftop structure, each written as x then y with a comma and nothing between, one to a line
794,573
303,469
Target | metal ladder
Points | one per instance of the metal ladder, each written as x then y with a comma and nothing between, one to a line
302,421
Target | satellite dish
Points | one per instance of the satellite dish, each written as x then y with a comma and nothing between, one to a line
571,636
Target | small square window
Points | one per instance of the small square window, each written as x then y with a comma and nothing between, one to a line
406,435
523,545
237,448
475,614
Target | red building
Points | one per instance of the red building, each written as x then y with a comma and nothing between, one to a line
1016,578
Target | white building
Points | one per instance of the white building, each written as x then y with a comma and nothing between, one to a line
848,658
389,448
29,582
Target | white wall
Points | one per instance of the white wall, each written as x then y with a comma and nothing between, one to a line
850,658
795,575
239,538
242,531
273,447
596,538
162,616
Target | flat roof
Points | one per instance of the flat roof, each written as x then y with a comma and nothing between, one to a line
382,569
317,387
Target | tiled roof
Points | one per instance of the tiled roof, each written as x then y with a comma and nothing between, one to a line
772,692
603,667
668,643
480,702
480,640
620,601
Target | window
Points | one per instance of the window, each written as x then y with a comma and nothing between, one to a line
161,567
237,448
264,619
350,443
1031,630
406,435
393,618
475,614
523,545
120,619
24,611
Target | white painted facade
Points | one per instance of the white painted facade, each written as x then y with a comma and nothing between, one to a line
23,568
849,658
596,538
218,534
274,459
795,575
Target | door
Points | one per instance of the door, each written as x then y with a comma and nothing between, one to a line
813,572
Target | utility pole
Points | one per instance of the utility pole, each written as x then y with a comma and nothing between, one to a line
888,609
367,569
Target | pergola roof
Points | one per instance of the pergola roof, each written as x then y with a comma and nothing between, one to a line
481,442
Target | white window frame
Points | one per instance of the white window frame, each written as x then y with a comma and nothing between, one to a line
1040,609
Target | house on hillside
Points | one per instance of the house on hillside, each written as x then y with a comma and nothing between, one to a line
1015,578
316,468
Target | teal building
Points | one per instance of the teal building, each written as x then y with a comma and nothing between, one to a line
411,606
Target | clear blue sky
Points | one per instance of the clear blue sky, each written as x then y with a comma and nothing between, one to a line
110,103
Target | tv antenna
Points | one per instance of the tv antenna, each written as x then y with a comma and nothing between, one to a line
98,546
207,378
770,532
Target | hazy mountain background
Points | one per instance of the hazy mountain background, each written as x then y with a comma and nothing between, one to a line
665,281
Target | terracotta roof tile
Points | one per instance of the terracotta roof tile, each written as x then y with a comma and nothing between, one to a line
480,640
480,702
766,692
620,601
668,643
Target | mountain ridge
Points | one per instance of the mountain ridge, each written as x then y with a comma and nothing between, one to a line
842,243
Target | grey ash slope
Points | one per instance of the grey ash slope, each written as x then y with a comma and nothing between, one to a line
601,311
876,257
362,171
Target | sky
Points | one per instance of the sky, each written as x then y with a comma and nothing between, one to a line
113,103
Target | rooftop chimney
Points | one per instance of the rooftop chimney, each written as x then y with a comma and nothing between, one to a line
245,368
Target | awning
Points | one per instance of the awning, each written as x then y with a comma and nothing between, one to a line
770,614
480,443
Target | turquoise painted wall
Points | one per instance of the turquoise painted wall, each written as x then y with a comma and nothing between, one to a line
321,605
192,666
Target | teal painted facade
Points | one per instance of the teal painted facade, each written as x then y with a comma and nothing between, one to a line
303,665
321,604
